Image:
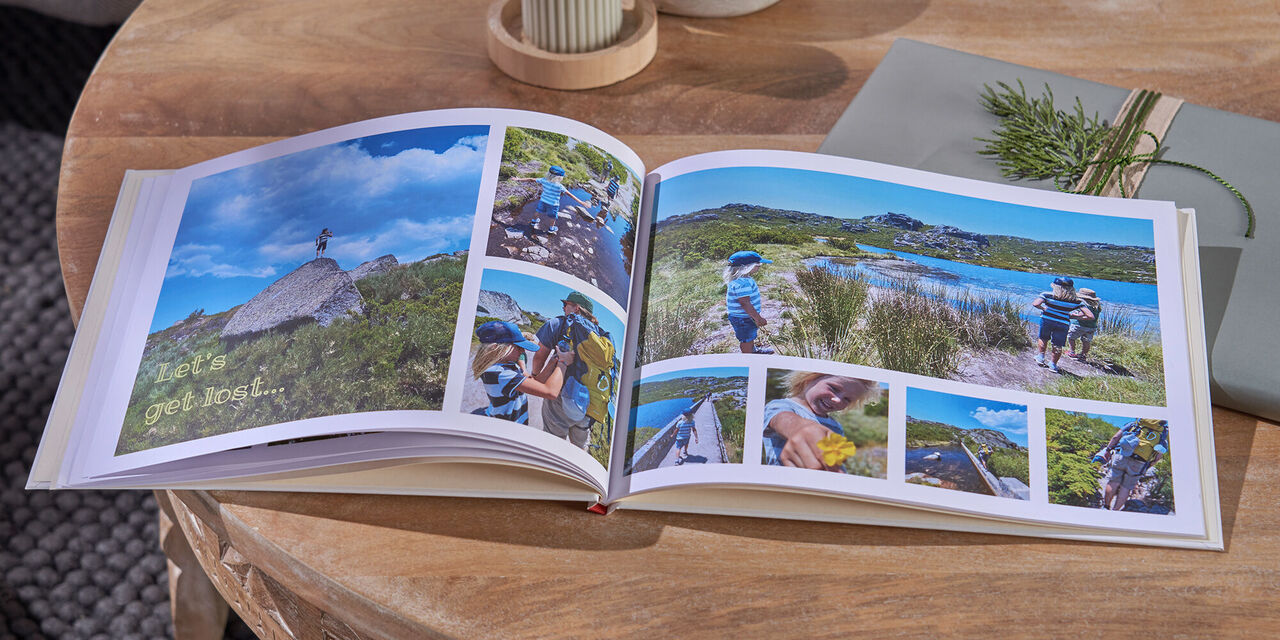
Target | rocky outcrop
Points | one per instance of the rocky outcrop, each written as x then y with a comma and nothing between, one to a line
377,265
976,238
896,220
499,305
318,291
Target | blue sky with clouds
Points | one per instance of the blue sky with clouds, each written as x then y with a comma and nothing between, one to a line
969,413
411,194
844,196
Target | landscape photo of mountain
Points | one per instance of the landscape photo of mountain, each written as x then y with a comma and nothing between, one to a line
321,282
902,278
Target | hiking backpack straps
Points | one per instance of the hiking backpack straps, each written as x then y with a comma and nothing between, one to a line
594,349
1150,434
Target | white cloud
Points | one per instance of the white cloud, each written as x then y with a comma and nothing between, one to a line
1007,420
233,210
196,260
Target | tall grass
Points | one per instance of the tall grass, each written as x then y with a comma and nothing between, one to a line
668,330
989,322
825,312
912,333
1136,362
733,417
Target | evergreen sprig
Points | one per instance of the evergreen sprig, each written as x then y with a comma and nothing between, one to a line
1037,141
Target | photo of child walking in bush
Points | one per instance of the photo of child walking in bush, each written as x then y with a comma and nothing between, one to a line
826,422
903,278
568,205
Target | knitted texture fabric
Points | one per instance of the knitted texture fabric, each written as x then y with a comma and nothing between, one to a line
73,564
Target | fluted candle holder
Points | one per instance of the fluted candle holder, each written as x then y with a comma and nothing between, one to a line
571,26
595,47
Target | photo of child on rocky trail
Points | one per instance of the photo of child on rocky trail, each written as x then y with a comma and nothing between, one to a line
261,321
873,273
545,356
567,205
967,444
826,422
1109,462
692,416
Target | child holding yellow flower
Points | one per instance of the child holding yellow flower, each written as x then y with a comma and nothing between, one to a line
799,429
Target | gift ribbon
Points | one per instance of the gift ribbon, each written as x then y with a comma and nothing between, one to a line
1134,145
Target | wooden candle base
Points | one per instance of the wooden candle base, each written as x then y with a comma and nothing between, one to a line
517,57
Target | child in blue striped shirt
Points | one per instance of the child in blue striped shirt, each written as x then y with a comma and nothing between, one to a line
497,365
742,299
549,198
1057,308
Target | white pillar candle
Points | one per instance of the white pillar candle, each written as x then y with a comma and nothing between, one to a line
571,26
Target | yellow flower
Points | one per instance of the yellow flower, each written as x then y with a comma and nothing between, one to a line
835,448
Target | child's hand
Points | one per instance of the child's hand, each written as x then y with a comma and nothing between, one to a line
802,449
565,358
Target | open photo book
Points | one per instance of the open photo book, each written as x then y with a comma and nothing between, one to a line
495,303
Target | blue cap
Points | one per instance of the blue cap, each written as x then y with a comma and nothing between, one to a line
499,332
1064,282
557,170
746,257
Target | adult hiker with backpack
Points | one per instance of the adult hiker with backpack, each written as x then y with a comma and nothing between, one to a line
589,382
1132,453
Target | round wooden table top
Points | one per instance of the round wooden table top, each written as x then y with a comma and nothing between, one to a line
188,80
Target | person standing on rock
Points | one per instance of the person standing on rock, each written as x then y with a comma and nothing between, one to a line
742,299
549,198
556,418
322,242
1057,308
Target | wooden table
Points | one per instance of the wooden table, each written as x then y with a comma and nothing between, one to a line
188,80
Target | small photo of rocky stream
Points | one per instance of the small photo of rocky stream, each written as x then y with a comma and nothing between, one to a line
568,205
967,444
322,282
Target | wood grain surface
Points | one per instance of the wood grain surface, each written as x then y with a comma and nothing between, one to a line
188,80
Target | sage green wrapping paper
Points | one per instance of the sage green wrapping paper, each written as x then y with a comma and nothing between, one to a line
920,109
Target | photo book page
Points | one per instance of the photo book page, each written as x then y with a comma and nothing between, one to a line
457,277
828,326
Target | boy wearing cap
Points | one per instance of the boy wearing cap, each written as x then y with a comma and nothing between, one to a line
742,299
552,332
549,200
1082,329
1057,307
497,365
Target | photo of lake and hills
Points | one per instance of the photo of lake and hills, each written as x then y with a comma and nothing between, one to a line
903,278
